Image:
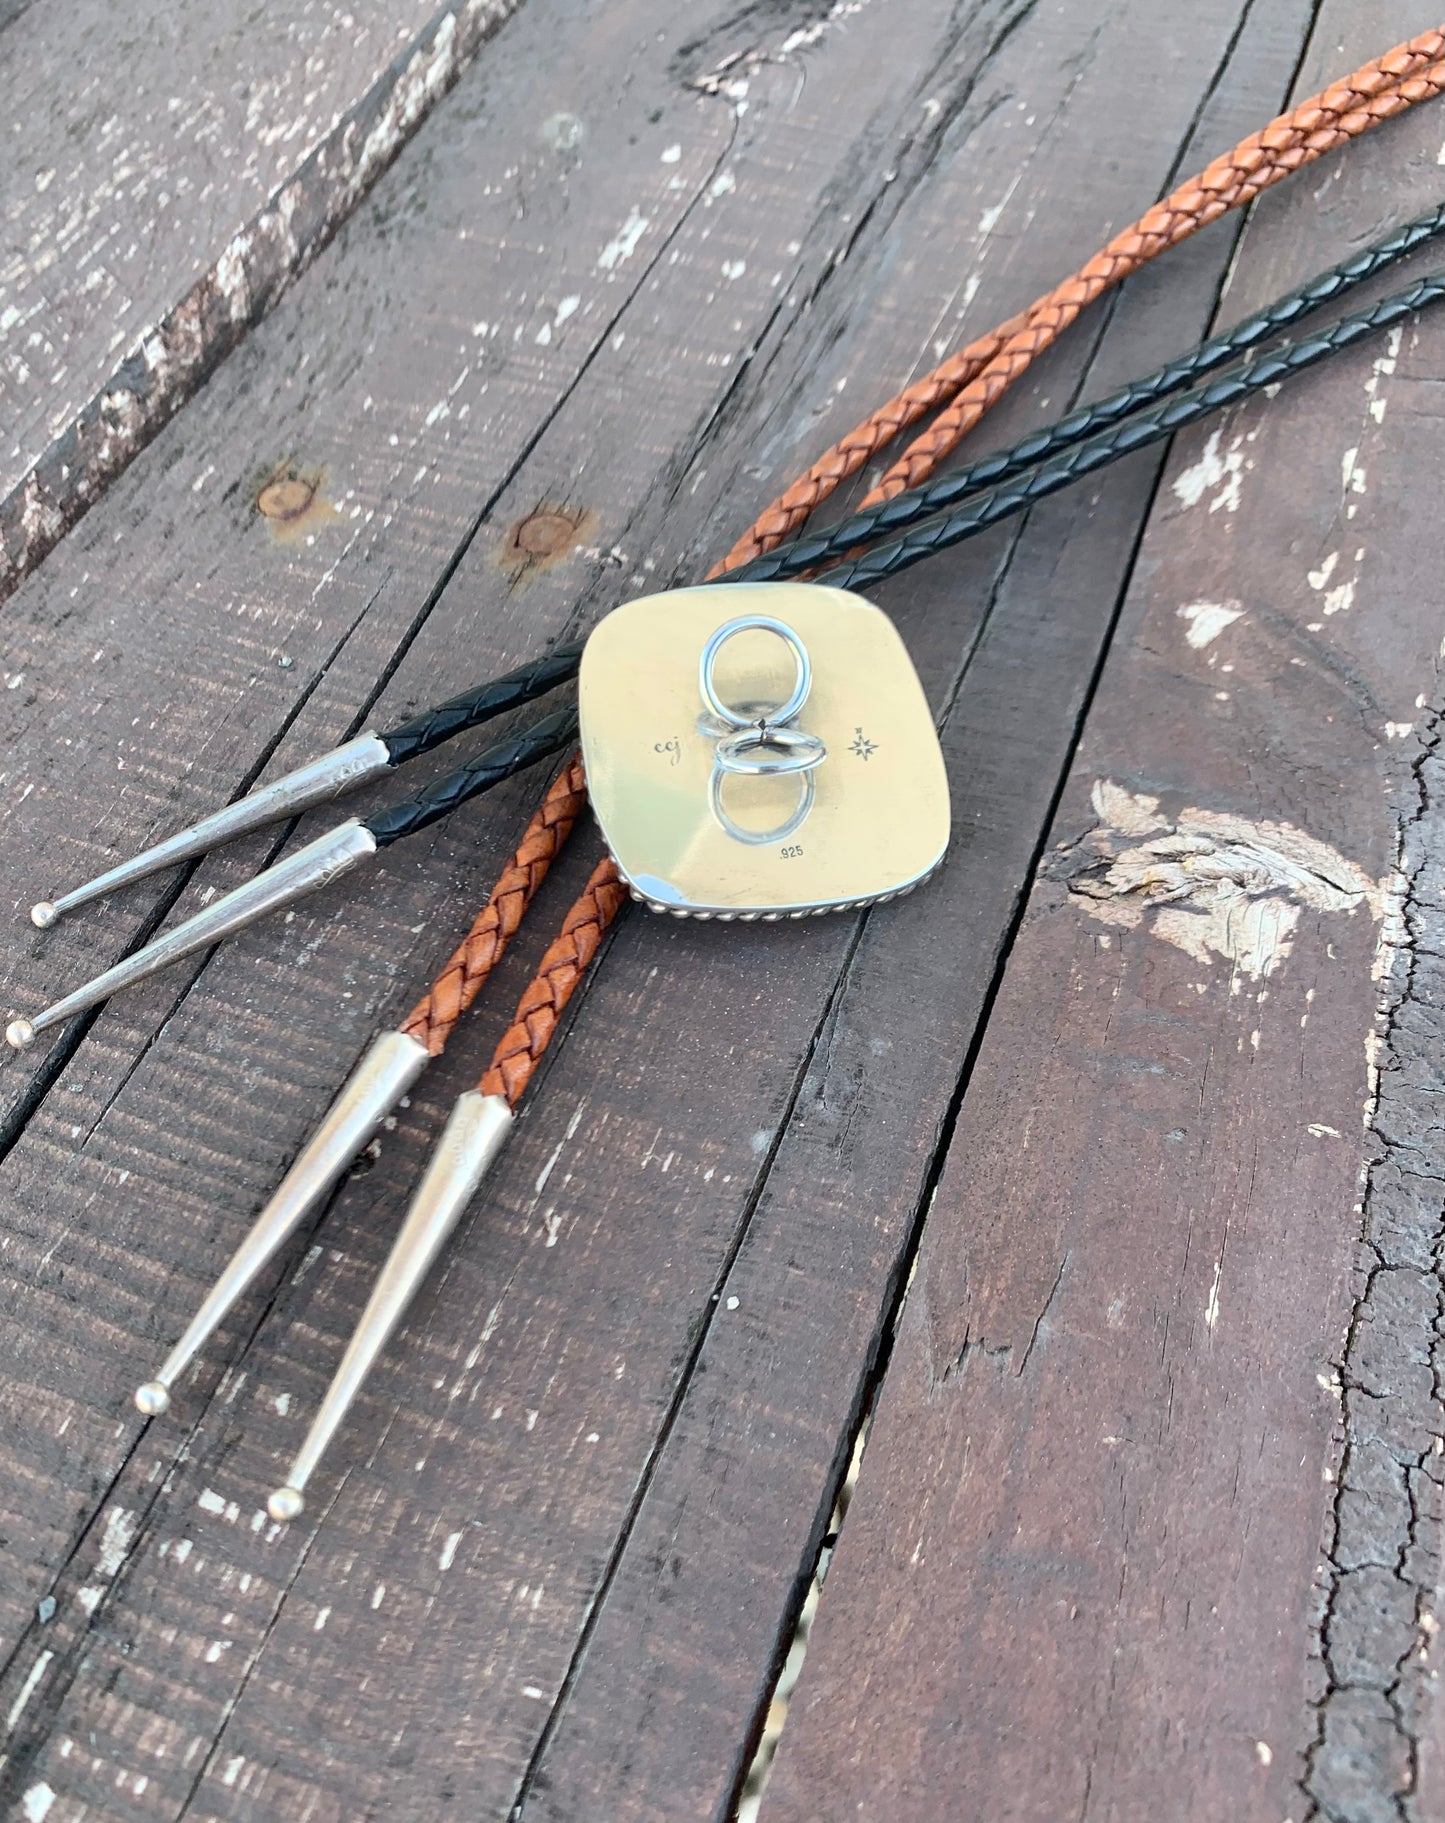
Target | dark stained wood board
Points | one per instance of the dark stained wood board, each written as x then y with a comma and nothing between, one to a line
165,174
1148,1520
301,1732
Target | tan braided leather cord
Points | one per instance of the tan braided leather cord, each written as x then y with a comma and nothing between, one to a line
457,986
556,980
1224,186
1411,72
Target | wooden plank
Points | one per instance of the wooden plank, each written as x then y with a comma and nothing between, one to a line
1148,1520
153,207
343,610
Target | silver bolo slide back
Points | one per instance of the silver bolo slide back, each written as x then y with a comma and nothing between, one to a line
867,850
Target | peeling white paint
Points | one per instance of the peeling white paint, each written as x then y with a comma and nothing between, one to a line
623,244
1340,600
1317,579
1206,620
1213,885
1213,470
120,1529
37,1802
27,1689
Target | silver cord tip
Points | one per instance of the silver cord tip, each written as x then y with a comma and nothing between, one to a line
317,864
341,770
286,1504
153,1399
471,1139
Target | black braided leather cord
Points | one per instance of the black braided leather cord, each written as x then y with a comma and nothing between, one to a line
807,552
487,769
473,707
986,509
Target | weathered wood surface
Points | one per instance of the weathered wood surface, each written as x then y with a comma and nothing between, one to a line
163,177
558,1552
1148,1522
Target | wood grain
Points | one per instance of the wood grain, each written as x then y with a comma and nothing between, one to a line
161,186
555,1556
1154,1460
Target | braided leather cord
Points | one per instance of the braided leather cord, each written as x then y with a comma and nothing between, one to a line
434,1017
1222,187
1339,112
473,707
1175,414
813,549
807,552
489,768
539,1012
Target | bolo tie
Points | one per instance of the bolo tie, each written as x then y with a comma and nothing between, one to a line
758,746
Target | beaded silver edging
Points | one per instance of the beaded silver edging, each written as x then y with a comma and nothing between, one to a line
716,915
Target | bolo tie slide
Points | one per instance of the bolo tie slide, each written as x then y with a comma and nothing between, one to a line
716,741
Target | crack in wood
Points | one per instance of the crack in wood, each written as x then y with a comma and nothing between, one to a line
1378,1624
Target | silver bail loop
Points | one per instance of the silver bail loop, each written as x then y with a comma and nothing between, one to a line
763,743
753,717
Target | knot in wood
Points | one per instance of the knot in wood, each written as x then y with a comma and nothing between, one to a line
285,499
543,534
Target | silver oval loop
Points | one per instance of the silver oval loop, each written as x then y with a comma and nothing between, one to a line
760,838
748,623
768,752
